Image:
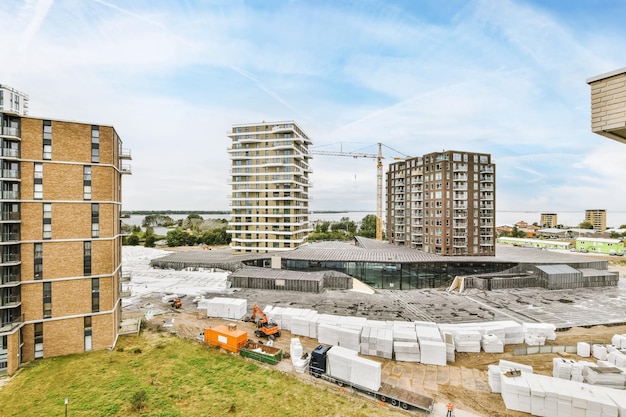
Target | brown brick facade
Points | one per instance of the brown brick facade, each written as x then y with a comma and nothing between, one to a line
63,253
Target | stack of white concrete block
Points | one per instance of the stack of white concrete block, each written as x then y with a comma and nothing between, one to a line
405,346
583,349
432,347
467,341
491,344
562,368
546,396
619,341
617,358
606,376
494,378
369,336
226,308
450,347
536,334
301,324
296,351
345,364
599,352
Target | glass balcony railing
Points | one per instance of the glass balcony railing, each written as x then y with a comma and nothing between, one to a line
11,323
10,131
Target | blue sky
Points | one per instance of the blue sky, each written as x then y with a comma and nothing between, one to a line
502,77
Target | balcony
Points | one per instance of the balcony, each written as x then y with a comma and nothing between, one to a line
10,153
10,280
10,258
125,169
10,173
9,237
487,169
486,206
125,276
125,154
458,243
459,225
460,206
460,196
10,216
10,301
7,326
10,131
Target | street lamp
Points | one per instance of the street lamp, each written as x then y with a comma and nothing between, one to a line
67,401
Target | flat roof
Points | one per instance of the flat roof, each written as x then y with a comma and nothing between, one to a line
606,75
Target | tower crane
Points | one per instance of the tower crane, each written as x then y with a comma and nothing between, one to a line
379,180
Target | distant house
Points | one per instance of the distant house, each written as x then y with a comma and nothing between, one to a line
522,226
605,246
535,243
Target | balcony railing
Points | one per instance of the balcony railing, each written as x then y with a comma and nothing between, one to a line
8,279
8,325
9,237
10,131
10,195
10,215
10,153
10,173
10,258
125,154
126,277
10,301
126,169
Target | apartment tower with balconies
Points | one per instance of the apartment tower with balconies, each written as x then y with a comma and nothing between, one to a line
60,240
443,203
269,181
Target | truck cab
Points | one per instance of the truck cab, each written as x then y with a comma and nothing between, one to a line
317,365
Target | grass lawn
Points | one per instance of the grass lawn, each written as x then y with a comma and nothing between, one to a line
157,374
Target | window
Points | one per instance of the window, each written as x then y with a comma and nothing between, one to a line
47,139
95,295
87,182
47,300
88,331
38,330
95,220
47,220
38,181
95,144
87,258
38,261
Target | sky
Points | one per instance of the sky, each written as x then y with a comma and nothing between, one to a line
503,77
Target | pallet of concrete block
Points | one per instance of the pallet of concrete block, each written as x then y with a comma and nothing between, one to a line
432,347
619,341
226,308
406,351
369,336
301,324
467,341
583,349
617,358
346,364
599,352
545,330
491,344
608,376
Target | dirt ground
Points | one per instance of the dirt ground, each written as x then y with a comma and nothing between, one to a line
463,382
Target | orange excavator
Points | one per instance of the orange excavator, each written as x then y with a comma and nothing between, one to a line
263,327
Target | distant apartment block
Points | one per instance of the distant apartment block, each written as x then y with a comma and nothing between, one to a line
548,220
443,203
60,246
608,104
597,218
270,187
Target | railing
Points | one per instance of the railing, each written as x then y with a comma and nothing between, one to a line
125,154
10,173
10,215
10,301
7,326
9,237
126,276
10,258
10,279
10,131
10,153
11,195
126,169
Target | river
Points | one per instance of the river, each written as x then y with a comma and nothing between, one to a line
566,218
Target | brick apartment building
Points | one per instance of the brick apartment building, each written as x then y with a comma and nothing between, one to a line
443,203
270,187
60,241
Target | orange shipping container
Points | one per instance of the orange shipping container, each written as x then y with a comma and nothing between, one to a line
226,337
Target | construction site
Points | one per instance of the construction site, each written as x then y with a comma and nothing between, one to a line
589,315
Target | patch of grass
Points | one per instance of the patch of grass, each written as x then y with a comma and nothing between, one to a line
191,380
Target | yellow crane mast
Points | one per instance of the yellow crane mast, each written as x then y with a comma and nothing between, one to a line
379,180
